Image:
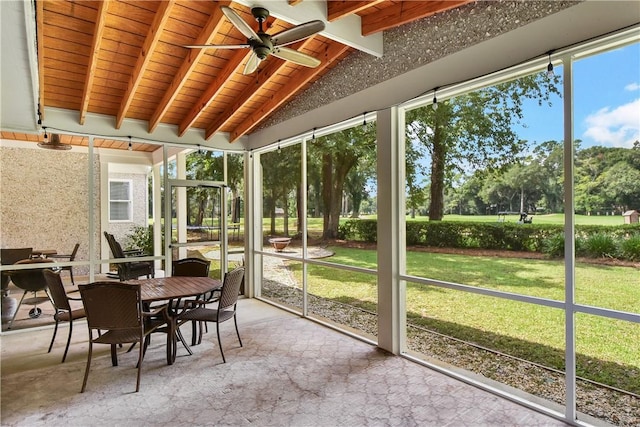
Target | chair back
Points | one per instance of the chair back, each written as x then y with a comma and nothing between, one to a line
115,247
30,280
11,256
56,290
112,305
231,288
194,267
74,252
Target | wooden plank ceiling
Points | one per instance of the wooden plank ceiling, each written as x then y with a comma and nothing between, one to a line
126,59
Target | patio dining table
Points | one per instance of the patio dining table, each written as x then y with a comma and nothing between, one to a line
170,289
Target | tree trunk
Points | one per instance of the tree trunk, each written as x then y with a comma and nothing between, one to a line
327,166
335,210
286,216
436,205
300,212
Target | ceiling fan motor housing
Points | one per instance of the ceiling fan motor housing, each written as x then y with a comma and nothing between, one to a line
264,47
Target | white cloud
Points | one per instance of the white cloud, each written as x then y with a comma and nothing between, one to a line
619,127
632,87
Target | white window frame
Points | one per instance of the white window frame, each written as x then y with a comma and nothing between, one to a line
129,201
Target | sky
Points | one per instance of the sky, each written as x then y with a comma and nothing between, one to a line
606,102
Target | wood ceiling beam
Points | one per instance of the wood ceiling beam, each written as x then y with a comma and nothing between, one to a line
340,9
265,75
150,43
405,12
294,84
232,66
211,29
101,18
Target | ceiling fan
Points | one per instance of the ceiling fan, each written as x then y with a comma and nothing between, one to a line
264,44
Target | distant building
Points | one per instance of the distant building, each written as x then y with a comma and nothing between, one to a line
631,217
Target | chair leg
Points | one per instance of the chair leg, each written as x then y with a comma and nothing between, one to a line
235,320
183,341
16,312
86,370
142,349
71,274
55,330
194,333
200,327
66,349
220,342
114,355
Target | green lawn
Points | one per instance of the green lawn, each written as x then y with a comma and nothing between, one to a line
607,350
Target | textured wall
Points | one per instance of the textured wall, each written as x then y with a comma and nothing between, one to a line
139,196
416,44
43,200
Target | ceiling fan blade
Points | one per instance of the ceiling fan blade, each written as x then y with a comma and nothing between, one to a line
297,33
252,64
295,56
218,46
239,23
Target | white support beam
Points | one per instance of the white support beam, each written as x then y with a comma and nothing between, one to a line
66,121
390,207
347,30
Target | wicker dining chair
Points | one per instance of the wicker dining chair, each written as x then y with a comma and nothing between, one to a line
225,310
61,302
115,312
67,257
193,267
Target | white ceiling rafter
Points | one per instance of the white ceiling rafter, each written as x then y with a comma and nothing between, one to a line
347,30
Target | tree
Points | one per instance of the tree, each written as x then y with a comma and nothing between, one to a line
607,179
207,165
474,130
415,173
339,153
281,175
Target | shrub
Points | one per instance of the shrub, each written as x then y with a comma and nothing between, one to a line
364,230
141,237
600,245
553,246
630,248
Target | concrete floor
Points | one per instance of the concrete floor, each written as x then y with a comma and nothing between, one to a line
290,372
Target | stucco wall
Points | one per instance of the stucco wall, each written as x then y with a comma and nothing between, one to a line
44,200
140,203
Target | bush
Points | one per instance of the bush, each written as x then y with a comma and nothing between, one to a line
141,237
364,230
630,248
554,246
591,240
600,245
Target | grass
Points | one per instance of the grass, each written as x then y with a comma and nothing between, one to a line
607,350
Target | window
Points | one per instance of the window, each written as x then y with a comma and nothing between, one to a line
120,200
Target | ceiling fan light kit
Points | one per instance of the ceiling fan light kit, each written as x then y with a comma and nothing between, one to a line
263,44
